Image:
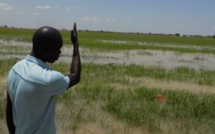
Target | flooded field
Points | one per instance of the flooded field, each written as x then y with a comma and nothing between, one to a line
164,59
86,103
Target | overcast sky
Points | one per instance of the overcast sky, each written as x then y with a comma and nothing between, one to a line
155,16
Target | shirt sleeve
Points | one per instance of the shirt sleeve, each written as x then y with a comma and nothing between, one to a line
58,83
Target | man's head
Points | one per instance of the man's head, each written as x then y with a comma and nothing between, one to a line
47,42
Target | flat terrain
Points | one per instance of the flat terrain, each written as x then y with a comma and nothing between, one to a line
122,79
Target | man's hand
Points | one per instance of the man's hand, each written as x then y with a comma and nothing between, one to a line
74,36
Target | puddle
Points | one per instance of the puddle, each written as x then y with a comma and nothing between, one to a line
157,44
166,59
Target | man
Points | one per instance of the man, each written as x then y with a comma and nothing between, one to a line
32,85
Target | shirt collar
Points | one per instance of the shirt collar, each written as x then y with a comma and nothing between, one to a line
36,61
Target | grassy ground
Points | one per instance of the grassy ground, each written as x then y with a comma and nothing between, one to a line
113,41
129,99
113,94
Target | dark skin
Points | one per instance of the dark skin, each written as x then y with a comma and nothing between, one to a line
9,116
50,54
75,67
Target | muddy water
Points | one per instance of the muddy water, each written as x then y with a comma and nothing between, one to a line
166,59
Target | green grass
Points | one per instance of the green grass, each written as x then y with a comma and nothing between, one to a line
16,34
118,73
100,89
94,40
204,77
137,105
5,66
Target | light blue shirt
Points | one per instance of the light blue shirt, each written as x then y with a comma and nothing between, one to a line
32,87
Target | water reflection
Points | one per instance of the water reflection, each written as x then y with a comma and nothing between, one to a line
166,59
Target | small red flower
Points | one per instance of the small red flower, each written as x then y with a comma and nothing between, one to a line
160,98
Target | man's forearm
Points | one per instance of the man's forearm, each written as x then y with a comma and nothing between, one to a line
75,68
76,65
76,50
76,62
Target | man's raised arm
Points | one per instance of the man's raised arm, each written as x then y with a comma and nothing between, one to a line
75,68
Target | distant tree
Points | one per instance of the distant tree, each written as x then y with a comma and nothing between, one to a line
213,36
177,34
5,26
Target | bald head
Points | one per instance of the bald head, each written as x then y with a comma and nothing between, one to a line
47,42
47,36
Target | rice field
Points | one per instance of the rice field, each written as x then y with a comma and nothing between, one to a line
130,83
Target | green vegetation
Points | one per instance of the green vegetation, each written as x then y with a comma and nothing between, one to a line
114,91
16,34
97,40
138,104
140,107
118,73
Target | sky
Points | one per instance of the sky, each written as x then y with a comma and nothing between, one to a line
186,17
